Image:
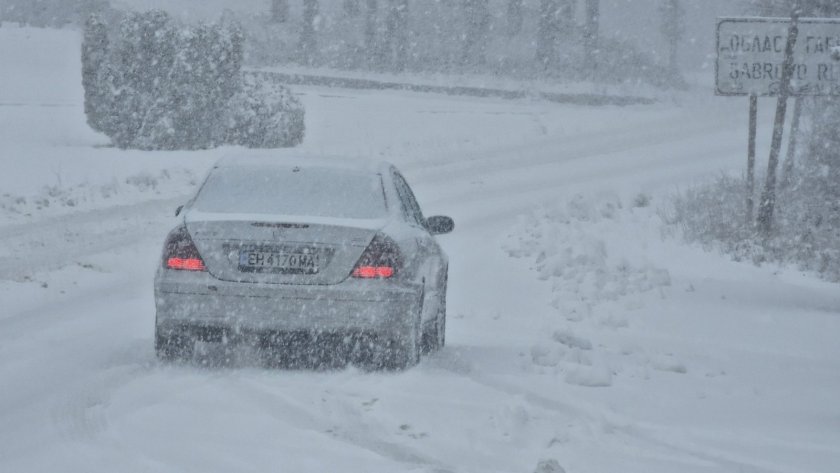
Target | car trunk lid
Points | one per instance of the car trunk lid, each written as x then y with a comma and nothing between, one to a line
280,249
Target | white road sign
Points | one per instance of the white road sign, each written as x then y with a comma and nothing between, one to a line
750,56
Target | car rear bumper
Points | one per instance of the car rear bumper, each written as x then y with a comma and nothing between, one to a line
199,302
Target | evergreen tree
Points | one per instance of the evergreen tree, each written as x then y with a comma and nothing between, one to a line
142,59
396,34
673,29
555,16
372,48
279,11
591,36
477,26
352,8
264,114
308,44
515,16
94,58
163,86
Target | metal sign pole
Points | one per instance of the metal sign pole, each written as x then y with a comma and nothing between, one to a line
787,167
767,205
751,158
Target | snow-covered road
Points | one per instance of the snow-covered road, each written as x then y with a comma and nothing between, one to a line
579,329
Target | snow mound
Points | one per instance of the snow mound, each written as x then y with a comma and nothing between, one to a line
669,364
569,339
549,466
595,376
580,249
569,249
60,198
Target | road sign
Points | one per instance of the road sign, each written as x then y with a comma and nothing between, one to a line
751,54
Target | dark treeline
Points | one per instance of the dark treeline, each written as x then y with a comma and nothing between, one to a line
557,39
512,38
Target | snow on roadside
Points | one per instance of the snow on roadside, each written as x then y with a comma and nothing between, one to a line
708,358
570,248
58,199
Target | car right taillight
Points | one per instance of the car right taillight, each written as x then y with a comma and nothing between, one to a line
179,252
381,259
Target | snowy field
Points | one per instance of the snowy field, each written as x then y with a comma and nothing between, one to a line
580,328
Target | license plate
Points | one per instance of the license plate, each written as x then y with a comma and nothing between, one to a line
285,260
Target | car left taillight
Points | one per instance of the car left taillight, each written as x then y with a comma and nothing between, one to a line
180,252
381,260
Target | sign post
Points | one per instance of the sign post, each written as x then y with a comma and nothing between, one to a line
775,57
751,156
768,196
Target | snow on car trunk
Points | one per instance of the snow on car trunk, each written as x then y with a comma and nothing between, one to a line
285,250
257,221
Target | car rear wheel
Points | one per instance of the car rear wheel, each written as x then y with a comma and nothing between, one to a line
173,346
440,325
434,335
403,353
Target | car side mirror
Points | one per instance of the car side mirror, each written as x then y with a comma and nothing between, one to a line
438,225
178,210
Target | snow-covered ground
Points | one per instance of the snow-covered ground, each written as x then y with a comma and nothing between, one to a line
580,328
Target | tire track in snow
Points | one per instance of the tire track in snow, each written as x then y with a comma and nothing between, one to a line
551,150
353,429
50,244
594,415
66,360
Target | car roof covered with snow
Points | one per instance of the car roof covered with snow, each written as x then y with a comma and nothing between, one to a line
304,161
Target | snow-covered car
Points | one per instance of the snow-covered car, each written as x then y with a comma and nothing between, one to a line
270,250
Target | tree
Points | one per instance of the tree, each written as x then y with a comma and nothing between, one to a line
264,114
94,58
477,25
515,16
547,26
673,29
396,34
138,74
352,7
591,36
279,11
373,52
160,85
308,45
554,16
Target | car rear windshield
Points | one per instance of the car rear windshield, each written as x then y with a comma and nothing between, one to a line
304,191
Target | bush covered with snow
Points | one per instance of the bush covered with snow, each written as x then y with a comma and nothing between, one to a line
806,229
155,84
264,114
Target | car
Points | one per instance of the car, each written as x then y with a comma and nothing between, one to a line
273,251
